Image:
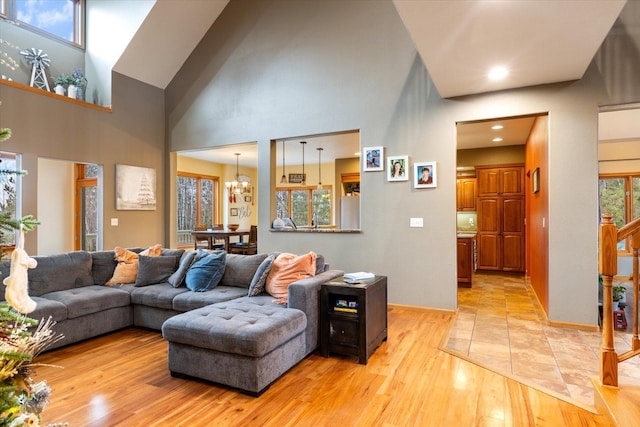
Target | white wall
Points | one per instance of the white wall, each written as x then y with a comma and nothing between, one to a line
55,206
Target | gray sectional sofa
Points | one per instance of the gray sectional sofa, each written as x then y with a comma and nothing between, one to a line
70,288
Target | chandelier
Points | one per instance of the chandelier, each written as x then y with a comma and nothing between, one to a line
236,186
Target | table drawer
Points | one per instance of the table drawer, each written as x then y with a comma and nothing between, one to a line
343,331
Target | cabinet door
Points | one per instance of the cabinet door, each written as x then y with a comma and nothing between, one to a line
489,215
464,260
489,250
513,233
468,194
512,181
488,182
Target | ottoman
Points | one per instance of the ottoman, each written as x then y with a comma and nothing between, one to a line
246,343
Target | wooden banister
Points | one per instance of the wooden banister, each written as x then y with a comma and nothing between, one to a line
608,267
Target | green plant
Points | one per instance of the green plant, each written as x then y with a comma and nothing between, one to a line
618,292
64,80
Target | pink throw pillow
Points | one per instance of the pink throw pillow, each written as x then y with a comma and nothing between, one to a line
286,269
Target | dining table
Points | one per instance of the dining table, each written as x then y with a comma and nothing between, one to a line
211,235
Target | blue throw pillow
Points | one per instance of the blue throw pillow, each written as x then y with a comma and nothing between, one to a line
206,271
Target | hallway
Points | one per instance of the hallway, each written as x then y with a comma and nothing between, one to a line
501,326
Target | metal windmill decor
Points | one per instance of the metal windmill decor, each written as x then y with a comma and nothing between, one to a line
39,61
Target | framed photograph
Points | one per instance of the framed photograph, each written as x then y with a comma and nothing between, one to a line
424,175
535,180
373,159
233,212
135,188
247,199
397,168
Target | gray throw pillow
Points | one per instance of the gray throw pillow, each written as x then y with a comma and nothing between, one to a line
206,271
154,269
260,278
177,278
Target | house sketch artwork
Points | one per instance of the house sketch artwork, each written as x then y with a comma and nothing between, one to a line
135,188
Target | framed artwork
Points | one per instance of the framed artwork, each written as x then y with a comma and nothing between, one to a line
247,199
424,175
535,180
135,188
233,212
398,168
373,159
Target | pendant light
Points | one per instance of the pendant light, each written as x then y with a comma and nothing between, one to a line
236,187
304,177
319,167
283,180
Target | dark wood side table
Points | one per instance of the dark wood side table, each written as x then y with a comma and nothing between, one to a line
353,317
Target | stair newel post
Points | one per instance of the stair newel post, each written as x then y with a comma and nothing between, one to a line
608,266
635,244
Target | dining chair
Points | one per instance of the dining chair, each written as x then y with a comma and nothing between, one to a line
199,242
217,243
249,247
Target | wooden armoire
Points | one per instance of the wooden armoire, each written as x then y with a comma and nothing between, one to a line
501,217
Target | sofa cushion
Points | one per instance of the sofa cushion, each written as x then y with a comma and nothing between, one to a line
259,280
247,326
240,269
286,269
177,278
173,252
89,299
206,271
157,296
47,307
59,272
191,300
102,266
154,269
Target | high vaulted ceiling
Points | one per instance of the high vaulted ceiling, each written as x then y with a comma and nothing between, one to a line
537,41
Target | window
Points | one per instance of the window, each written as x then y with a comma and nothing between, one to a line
8,194
198,203
59,19
86,207
301,203
620,196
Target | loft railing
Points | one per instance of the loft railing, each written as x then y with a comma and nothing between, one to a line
608,266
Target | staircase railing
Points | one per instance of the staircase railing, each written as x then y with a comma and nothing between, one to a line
608,266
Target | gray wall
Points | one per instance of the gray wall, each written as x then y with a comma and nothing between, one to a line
132,134
272,69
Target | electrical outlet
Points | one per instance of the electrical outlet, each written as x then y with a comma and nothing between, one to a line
416,222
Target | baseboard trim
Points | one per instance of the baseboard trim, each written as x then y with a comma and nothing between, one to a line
419,309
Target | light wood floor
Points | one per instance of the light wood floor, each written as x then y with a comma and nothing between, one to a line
122,380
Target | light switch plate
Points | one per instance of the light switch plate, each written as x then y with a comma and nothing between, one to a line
114,222
416,222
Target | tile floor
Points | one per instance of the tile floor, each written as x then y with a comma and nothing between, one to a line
501,326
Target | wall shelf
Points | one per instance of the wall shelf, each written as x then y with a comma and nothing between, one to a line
27,88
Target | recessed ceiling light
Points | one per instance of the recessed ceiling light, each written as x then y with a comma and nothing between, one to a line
497,127
497,139
498,73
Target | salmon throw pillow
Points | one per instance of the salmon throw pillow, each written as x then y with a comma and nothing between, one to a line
286,269
127,269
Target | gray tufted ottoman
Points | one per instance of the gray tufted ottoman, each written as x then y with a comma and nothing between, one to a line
245,343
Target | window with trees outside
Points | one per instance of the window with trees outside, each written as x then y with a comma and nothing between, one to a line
620,196
8,194
198,203
301,203
59,19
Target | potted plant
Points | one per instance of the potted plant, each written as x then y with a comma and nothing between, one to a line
619,294
63,82
80,81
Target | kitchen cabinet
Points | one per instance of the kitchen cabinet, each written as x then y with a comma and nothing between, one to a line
466,194
466,260
501,213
